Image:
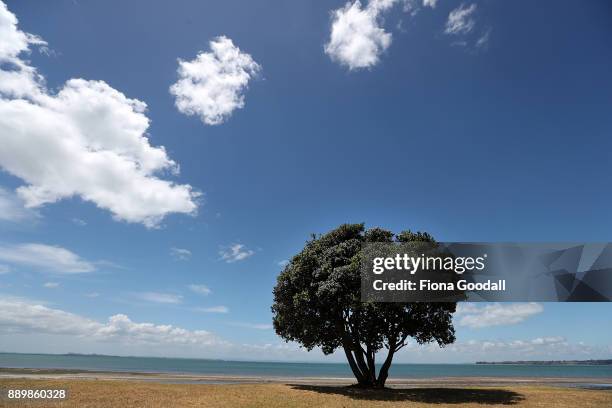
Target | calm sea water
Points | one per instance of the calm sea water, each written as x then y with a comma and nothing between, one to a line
242,368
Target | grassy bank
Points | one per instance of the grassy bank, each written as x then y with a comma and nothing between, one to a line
108,393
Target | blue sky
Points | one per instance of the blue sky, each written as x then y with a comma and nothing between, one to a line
492,125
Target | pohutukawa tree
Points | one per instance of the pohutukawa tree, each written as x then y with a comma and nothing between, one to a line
317,303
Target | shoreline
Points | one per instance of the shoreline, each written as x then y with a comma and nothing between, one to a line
190,378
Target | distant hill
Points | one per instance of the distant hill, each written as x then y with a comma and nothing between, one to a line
551,362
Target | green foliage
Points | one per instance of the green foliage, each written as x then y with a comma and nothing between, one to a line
317,303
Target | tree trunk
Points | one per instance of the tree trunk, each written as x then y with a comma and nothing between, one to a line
361,379
384,370
367,370
371,360
365,373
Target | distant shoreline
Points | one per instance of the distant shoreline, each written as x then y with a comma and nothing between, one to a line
592,362
550,362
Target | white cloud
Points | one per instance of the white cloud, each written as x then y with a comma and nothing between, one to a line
45,257
22,79
430,3
87,140
79,222
483,40
212,85
538,348
121,326
543,347
12,208
357,40
235,252
181,254
496,314
212,309
524,347
283,263
51,285
24,316
157,297
461,20
13,41
21,315
32,326
200,289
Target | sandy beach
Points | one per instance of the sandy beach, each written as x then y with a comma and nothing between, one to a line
111,389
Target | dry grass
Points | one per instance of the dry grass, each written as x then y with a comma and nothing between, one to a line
111,394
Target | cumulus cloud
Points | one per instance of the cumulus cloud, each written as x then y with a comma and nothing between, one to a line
51,285
212,309
200,289
29,319
552,347
45,257
430,3
212,85
156,297
88,140
496,314
181,254
12,208
461,20
121,326
235,252
63,331
357,39
13,41
24,316
16,77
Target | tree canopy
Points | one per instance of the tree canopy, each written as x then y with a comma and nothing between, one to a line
317,303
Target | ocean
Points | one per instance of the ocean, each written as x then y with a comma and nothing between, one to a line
280,369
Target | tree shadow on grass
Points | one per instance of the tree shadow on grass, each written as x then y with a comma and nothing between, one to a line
424,395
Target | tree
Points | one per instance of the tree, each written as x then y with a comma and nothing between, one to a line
317,303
